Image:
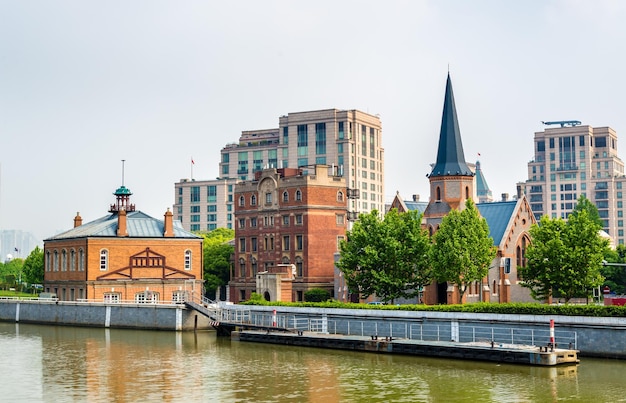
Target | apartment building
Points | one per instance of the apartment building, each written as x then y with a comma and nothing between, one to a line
204,205
572,160
289,223
350,140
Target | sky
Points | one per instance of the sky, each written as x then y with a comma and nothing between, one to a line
87,84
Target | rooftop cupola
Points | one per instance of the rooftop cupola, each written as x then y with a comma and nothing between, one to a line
122,196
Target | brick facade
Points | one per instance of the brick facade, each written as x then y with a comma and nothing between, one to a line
127,256
286,219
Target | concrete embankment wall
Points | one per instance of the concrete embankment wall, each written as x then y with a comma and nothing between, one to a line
592,336
130,316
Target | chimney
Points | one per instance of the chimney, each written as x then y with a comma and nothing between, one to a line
505,196
78,220
121,223
519,191
168,228
416,198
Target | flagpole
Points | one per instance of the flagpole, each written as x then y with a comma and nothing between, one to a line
192,168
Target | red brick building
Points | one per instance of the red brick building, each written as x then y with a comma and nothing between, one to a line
124,256
288,225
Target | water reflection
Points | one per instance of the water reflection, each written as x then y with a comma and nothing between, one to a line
65,364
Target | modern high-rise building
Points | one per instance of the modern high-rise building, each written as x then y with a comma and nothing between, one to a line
204,205
573,160
350,140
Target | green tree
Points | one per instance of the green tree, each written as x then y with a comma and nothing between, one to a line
462,248
584,204
217,254
11,272
386,257
564,258
33,269
614,272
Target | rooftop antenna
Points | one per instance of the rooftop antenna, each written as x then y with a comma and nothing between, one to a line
123,172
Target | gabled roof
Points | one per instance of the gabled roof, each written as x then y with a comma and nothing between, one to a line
497,215
450,156
138,225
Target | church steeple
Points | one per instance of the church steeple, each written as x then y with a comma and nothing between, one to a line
450,157
451,180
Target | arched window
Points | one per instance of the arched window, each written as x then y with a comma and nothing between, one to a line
242,267
438,194
63,260
467,192
187,259
494,290
242,201
253,200
81,260
72,260
48,267
56,261
298,195
340,196
285,196
104,259
285,260
255,266
299,266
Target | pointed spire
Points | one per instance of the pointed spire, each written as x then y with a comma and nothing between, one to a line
450,157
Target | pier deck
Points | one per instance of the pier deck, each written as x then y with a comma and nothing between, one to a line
514,354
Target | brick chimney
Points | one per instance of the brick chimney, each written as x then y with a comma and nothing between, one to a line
168,228
121,223
78,220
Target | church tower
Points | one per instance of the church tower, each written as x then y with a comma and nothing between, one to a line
451,179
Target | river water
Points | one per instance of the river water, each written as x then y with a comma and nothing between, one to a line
68,364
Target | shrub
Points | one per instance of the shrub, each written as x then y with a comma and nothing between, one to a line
316,295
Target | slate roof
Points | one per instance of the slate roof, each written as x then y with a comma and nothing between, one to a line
450,156
138,225
416,205
498,215
482,189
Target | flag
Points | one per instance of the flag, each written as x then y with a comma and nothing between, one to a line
192,163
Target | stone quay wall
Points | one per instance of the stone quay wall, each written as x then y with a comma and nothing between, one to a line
129,316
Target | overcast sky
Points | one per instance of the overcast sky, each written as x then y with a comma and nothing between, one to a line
85,84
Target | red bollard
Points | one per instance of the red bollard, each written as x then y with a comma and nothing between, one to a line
552,333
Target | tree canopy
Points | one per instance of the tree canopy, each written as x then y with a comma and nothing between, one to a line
33,268
462,248
217,253
564,258
386,257
614,273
